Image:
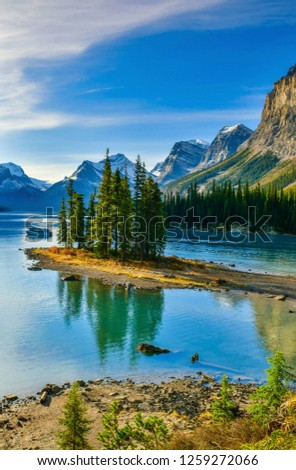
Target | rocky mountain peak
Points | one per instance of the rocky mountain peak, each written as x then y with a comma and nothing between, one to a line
291,71
183,158
277,129
226,143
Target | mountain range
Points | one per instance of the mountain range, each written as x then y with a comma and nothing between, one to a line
264,156
20,192
191,155
268,156
86,179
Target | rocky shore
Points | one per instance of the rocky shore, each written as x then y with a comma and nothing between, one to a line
30,423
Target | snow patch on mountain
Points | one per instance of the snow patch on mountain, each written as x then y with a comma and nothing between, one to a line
40,184
15,170
182,159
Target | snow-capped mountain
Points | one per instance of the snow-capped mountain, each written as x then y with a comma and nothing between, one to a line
182,159
17,190
92,171
228,140
13,176
86,178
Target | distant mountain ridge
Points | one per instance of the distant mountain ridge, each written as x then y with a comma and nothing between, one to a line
17,190
86,178
20,192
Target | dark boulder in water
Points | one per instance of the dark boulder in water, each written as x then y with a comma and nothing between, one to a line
149,349
34,268
69,278
194,358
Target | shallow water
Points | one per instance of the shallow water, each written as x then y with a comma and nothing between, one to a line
275,257
54,331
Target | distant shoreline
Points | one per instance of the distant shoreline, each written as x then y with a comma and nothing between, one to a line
168,272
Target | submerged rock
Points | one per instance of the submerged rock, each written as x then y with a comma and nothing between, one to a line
150,349
280,297
129,286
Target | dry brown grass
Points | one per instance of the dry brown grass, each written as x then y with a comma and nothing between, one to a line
242,433
183,270
213,436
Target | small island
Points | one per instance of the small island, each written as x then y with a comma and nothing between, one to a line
166,272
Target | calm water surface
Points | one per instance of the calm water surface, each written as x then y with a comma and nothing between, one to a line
275,257
54,331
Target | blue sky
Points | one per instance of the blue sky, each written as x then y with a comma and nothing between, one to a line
136,76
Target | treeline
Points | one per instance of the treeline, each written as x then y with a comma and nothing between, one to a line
119,221
226,201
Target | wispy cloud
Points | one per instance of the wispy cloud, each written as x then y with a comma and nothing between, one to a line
44,30
99,90
163,117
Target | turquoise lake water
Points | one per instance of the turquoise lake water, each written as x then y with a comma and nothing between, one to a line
53,331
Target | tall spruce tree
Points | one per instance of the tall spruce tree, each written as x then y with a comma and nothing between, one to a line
139,180
89,222
103,224
71,213
152,211
115,208
62,235
125,210
79,218
139,222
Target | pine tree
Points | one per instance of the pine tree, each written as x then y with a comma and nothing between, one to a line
125,210
224,409
75,423
90,217
79,218
139,223
71,210
103,221
152,211
62,234
140,178
268,397
143,433
115,209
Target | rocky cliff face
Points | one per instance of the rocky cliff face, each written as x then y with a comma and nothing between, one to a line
226,143
277,129
183,158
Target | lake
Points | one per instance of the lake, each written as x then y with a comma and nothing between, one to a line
54,331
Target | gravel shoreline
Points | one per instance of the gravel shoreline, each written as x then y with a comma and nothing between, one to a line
28,424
